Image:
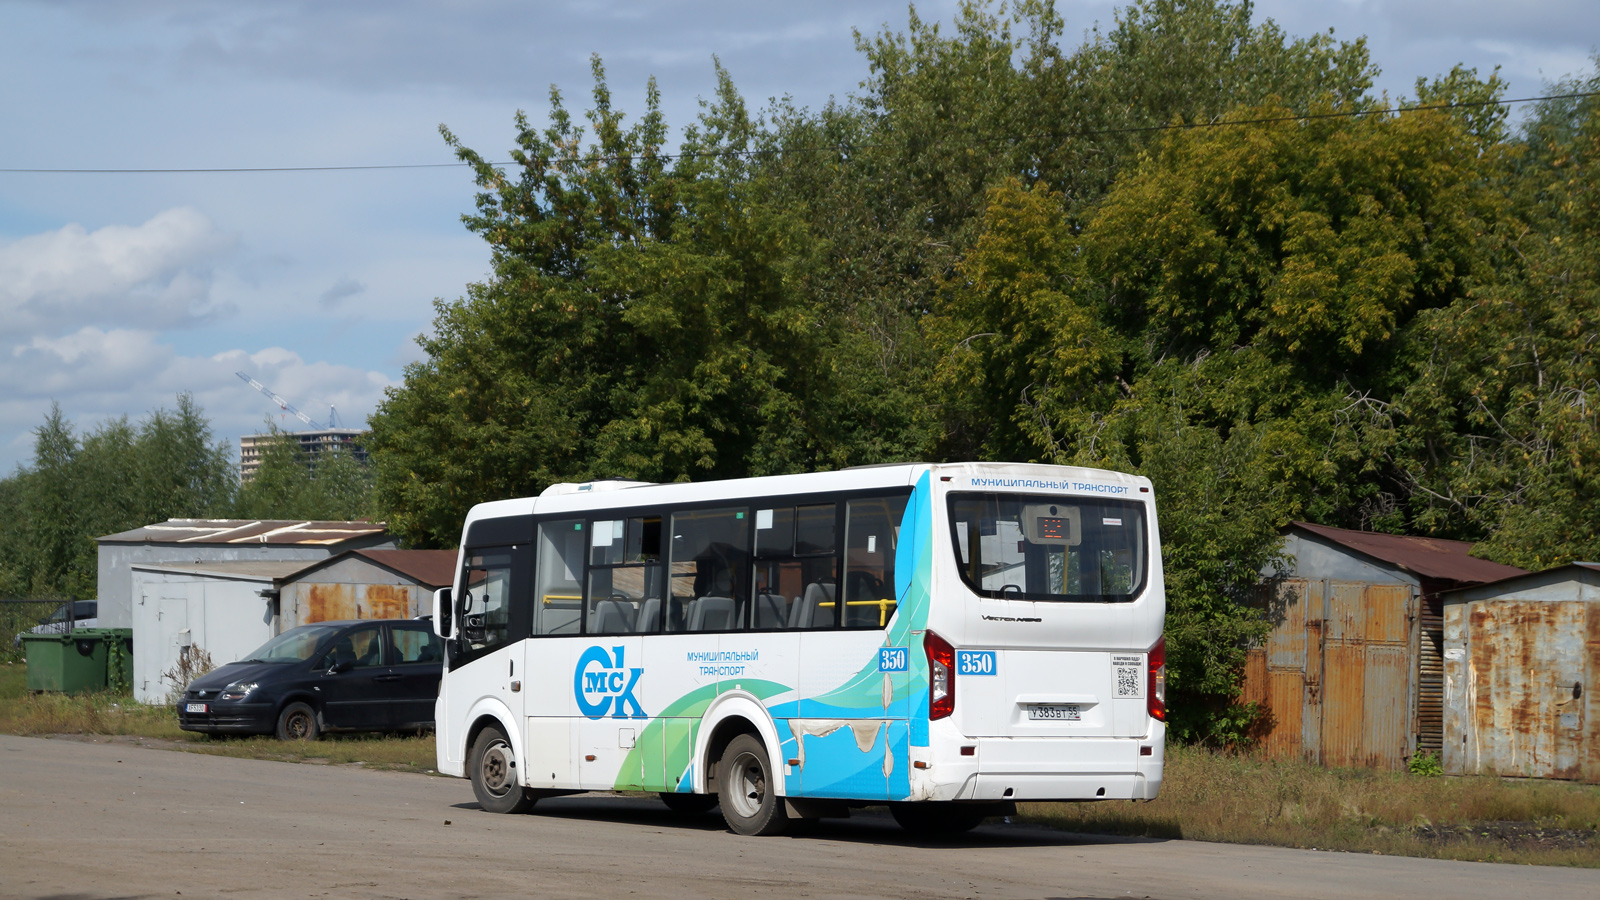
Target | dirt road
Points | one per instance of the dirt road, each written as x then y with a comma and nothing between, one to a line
97,821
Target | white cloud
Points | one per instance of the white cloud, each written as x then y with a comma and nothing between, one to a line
100,374
157,274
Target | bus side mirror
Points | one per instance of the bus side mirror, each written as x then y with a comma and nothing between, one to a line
444,612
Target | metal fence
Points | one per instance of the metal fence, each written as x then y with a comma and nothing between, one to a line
19,615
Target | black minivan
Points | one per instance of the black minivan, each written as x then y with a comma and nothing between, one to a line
369,675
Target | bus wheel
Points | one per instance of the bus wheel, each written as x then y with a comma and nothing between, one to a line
745,789
932,819
689,804
493,768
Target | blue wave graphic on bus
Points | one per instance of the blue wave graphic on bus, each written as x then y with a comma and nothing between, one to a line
602,684
854,741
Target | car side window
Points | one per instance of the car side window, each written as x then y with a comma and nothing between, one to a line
355,650
416,645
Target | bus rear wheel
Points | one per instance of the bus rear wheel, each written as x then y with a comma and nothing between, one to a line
493,768
689,804
746,790
935,819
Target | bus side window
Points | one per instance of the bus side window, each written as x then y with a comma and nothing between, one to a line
485,606
871,532
624,591
796,568
708,569
558,597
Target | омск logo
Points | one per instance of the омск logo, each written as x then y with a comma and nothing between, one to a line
603,685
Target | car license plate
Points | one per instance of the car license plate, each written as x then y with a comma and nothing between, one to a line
1065,712
194,707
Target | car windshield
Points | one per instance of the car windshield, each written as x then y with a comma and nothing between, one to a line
293,645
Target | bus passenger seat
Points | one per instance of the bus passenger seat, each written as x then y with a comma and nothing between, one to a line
612,617
711,614
809,611
772,611
649,616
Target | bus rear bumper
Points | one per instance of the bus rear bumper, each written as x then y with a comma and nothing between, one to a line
1051,769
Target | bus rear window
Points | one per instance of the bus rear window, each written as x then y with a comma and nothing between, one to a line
1026,547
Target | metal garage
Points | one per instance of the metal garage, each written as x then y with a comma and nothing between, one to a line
1521,657
1352,671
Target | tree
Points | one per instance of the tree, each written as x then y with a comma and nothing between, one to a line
114,478
1497,431
1209,328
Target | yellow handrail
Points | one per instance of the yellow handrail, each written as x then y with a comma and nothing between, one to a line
883,606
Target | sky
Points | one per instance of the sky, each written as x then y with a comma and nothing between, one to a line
118,292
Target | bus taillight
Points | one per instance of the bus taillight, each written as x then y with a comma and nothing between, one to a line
941,676
1156,688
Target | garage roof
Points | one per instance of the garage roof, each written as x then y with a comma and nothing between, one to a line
247,531
242,570
430,568
1425,556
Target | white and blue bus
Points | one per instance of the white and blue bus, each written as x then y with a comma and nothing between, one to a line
944,639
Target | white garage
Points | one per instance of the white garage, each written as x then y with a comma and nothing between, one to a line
186,614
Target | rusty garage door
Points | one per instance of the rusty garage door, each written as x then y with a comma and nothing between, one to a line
1517,700
1337,673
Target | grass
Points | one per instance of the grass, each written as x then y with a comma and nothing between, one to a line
1242,799
1206,796
26,713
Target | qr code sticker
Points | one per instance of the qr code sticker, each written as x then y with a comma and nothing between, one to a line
1130,675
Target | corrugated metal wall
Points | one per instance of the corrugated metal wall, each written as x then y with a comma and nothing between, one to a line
1430,678
1517,678
303,603
1337,673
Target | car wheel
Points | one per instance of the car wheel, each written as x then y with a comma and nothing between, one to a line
298,722
934,819
745,789
493,766
690,804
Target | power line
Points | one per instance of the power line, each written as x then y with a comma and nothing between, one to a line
1098,132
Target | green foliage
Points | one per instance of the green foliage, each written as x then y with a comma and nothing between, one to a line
116,477
1205,329
116,664
643,321
1497,431
1425,764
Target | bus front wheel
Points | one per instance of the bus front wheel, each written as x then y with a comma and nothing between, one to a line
493,767
746,790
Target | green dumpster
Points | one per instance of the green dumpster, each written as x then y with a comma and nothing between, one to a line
118,654
76,662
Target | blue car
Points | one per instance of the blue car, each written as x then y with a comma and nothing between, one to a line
331,676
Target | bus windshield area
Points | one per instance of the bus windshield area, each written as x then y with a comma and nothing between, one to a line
1025,547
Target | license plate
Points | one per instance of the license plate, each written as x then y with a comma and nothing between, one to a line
194,707
1065,712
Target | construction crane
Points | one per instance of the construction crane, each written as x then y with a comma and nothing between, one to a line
283,404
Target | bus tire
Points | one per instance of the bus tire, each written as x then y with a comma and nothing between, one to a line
492,766
746,790
689,804
936,819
